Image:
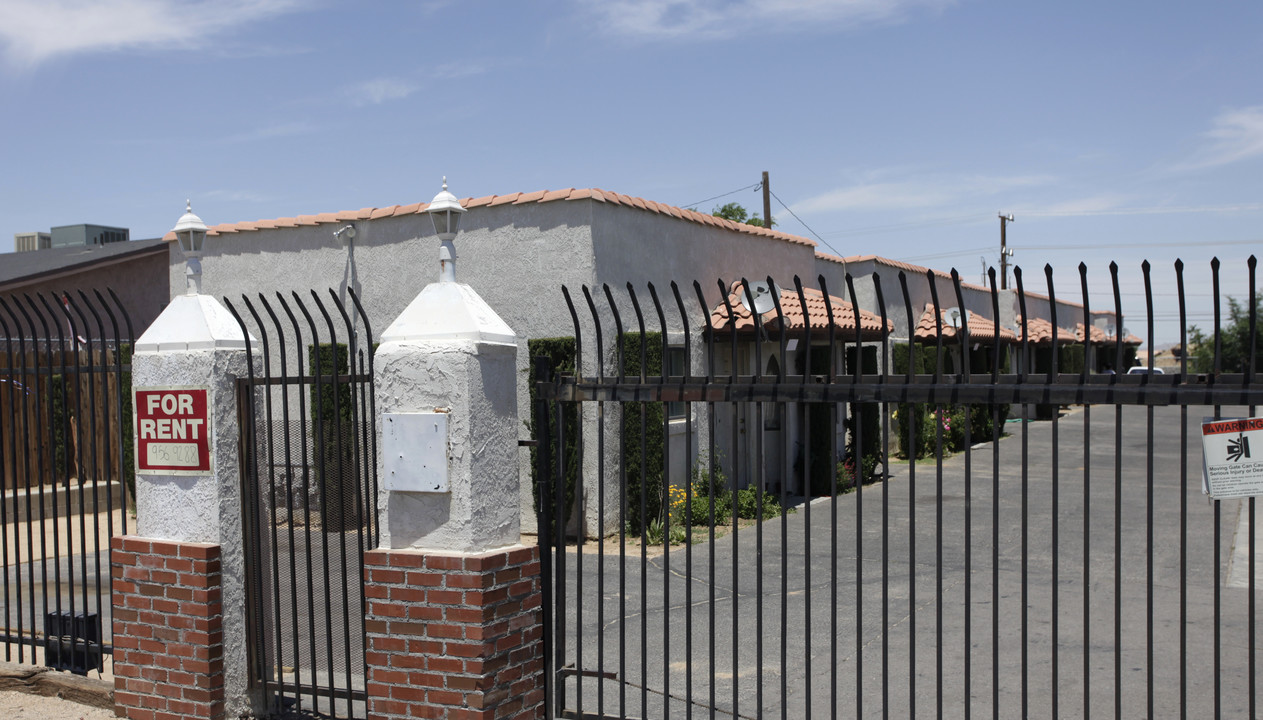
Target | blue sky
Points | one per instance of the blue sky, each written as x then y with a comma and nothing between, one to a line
1112,131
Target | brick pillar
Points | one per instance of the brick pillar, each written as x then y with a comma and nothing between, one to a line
454,635
168,629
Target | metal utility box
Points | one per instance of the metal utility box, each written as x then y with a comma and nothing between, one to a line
72,642
414,452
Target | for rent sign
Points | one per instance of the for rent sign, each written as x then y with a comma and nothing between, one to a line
172,431
1233,454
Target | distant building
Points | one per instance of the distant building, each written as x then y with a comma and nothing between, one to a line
135,271
25,242
80,235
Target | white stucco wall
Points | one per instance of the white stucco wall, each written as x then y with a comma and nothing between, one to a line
202,508
474,384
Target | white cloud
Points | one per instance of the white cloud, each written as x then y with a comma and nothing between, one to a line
1237,135
1112,205
376,92
927,192
385,89
36,31
666,19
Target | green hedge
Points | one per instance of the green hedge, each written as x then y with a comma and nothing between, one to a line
333,428
644,471
561,352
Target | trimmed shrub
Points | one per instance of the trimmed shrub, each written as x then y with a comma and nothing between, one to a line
561,352
643,466
333,426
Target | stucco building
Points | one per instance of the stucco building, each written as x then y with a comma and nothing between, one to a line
518,250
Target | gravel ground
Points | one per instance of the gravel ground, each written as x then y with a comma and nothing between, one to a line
14,705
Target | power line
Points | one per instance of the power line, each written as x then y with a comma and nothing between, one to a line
1117,246
800,222
954,253
934,222
734,192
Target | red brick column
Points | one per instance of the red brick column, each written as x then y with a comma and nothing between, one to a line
454,635
168,629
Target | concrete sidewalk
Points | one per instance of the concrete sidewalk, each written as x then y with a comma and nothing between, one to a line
815,609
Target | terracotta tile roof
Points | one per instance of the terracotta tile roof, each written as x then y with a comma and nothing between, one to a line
980,328
1099,337
539,196
907,267
843,316
1040,332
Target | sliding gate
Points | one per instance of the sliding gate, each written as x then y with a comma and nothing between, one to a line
1052,555
308,449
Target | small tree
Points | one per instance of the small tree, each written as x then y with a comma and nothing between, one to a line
1234,341
737,213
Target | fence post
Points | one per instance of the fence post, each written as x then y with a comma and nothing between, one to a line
179,582
453,613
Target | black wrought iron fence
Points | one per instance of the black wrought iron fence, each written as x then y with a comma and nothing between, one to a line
66,472
309,481
1053,554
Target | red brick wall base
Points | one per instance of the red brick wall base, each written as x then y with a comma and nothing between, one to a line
454,635
168,630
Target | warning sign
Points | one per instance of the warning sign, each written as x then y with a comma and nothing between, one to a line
172,431
1232,452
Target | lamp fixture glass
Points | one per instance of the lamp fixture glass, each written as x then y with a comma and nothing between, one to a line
445,210
190,232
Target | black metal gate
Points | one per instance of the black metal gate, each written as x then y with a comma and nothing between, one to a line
308,449
1051,556
66,473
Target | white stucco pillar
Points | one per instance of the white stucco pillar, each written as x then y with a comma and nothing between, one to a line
196,346
448,354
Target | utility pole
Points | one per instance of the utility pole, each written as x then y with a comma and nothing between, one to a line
1005,252
767,202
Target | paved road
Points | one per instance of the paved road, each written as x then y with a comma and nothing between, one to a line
790,641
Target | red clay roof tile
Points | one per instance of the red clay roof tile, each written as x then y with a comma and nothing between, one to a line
540,196
792,312
980,328
1040,332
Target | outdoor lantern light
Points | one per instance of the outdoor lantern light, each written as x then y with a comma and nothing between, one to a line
190,232
445,211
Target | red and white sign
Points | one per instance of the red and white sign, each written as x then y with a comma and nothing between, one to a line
1231,468
172,431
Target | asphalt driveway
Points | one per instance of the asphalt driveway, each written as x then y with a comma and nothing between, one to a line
945,584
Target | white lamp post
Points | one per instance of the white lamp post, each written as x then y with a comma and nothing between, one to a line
445,211
190,232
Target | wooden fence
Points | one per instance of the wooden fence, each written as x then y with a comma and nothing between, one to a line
64,416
